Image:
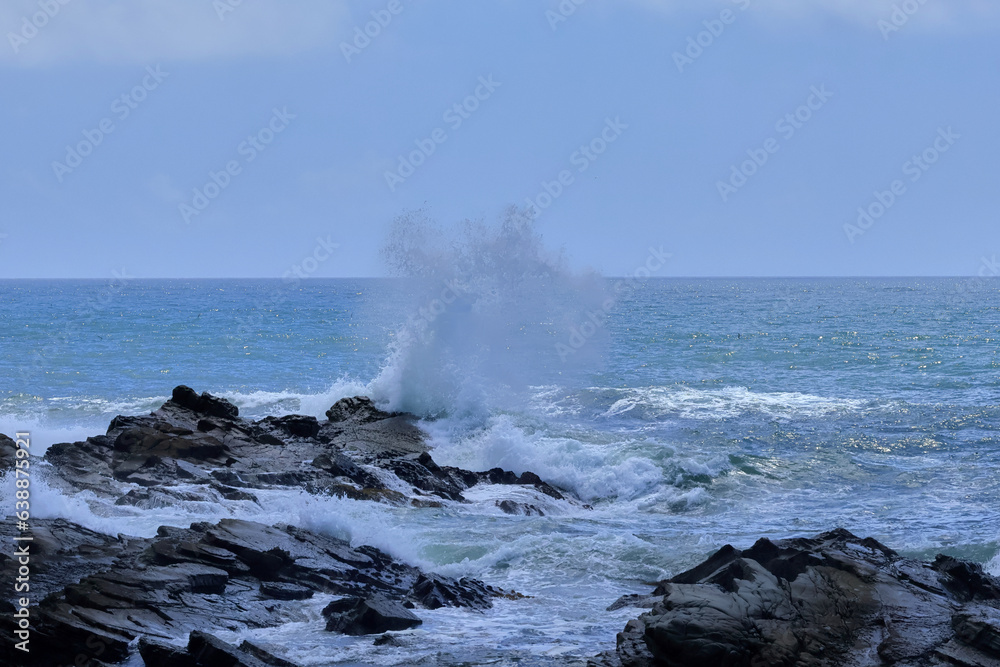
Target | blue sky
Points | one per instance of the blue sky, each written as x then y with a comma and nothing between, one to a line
303,129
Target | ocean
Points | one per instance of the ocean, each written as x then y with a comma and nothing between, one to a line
687,414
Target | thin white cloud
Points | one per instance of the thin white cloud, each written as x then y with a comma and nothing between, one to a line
923,14
41,32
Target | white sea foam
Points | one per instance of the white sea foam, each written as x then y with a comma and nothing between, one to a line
43,434
591,469
358,522
688,403
993,566
258,404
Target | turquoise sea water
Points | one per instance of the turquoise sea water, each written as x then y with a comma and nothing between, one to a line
698,413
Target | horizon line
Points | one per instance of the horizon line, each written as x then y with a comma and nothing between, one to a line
321,278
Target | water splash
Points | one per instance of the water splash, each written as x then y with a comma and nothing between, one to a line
490,302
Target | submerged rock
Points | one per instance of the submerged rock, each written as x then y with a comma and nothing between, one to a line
513,507
830,600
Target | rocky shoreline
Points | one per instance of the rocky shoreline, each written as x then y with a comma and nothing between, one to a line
99,600
831,600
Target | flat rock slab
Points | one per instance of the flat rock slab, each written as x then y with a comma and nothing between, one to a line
370,616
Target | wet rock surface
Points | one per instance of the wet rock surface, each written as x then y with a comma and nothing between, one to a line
369,616
197,447
106,592
205,650
8,453
831,600
98,599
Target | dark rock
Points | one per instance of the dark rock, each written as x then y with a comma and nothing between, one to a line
441,484
155,654
340,465
423,502
432,591
978,626
634,600
426,461
265,656
229,493
370,616
146,445
505,477
282,591
524,509
233,575
299,426
205,404
341,606
965,580
200,442
206,426
8,453
531,479
387,640
205,650
498,476
825,601
359,408
209,651
84,465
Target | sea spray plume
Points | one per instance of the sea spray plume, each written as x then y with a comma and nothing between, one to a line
488,302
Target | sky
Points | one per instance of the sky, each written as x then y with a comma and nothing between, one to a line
242,138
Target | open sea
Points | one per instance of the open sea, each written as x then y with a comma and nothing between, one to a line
687,413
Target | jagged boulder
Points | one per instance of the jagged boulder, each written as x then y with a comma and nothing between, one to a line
360,409
368,616
205,404
831,600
